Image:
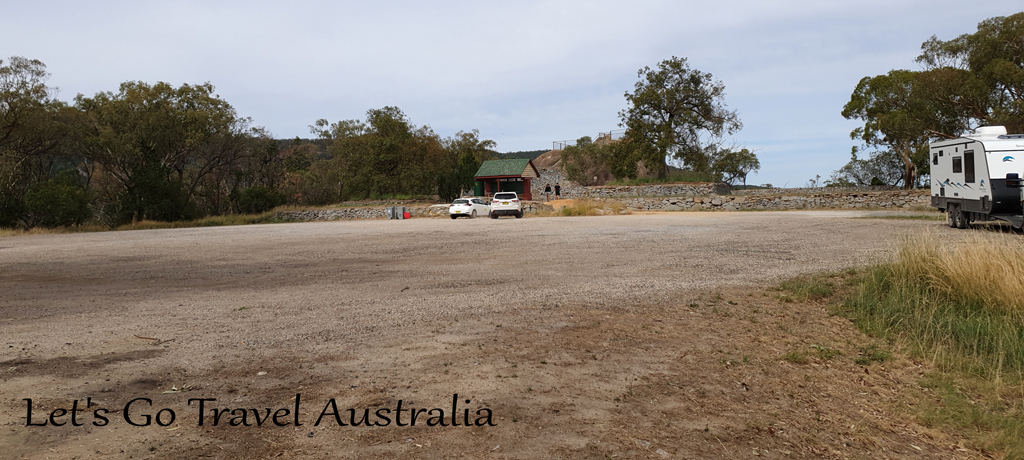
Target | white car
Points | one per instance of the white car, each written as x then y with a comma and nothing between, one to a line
506,204
469,207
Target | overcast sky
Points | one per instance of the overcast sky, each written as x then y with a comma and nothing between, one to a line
523,73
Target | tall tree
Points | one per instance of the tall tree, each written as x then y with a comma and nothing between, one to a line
33,132
972,80
897,116
675,111
464,153
991,65
157,145
730,165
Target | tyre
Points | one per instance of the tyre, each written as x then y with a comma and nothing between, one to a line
454,217
494,216
962,220
951,216
473,215
519,215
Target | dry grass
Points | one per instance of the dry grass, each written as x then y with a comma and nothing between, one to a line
959,305
986,269
211,221
592,208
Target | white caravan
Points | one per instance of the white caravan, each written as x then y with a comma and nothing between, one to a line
977,177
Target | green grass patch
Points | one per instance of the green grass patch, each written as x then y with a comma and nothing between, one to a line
872,354
807,288
796,357
960,306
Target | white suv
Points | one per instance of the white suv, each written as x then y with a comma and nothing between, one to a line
506,204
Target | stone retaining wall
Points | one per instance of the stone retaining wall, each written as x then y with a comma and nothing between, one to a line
366,212
673,190
851,200
895,200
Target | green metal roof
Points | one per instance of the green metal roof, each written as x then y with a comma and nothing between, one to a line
503,167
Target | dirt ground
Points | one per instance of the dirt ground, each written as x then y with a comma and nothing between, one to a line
642,336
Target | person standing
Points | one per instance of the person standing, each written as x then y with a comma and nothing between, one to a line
547,191
558,191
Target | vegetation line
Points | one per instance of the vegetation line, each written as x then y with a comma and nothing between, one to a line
959,306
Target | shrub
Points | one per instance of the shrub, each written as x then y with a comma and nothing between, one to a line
256,200
58,202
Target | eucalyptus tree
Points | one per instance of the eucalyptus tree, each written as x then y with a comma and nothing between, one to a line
675,111
158,145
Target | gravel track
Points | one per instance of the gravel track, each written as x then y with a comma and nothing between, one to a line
331,306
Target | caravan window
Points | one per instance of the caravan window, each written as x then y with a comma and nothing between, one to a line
957,165
969,166
935,158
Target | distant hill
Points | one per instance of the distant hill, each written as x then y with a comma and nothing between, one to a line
531,154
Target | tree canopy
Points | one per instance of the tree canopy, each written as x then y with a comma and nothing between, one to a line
165,152
678,112
972,80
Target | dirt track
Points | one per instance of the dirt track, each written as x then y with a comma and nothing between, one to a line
644,336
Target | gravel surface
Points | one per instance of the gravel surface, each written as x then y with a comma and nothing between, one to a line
376,306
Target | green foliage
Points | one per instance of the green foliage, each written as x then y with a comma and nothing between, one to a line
159,152
918,301
256,200
33,131
807,288
973,80
883,167
464,154
900,118
453,183
386,155
160,145
12,209
586,163
672,177
984,71
58,202
677,112
528,154
872,354
730,165
796,357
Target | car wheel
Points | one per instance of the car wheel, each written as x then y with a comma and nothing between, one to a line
473,215
494,215
519,215
454,216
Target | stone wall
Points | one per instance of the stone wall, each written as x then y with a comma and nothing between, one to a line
554,176
652,190
895,200
838,200
362,212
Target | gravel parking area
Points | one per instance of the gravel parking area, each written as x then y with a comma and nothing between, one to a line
543,322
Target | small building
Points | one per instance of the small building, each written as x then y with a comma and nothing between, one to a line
506,176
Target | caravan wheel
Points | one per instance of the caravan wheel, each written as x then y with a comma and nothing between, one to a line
963,219
951,215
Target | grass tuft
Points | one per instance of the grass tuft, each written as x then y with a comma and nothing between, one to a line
807,288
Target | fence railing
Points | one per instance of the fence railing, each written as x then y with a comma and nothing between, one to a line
612,135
